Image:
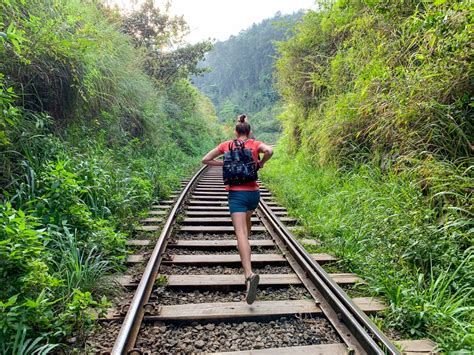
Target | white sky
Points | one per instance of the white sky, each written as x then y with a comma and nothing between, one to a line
219,19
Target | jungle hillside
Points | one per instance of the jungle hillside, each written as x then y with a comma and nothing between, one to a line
377,157
97,121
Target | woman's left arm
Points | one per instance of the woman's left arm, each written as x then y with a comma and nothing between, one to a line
209,158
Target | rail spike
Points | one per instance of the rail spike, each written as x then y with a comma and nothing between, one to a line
123,309
151,309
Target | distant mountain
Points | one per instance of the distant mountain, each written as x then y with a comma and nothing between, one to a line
241,76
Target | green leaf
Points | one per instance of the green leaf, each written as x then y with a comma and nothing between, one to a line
16,44
438,2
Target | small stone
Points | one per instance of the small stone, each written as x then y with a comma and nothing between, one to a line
259,345
199,327
209,326
199,344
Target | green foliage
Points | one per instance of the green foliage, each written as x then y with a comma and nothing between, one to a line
24,346
241,76
378,98
24,257
153,27
167,67
78,314
369,82
161,280
383,229
87,141
157,31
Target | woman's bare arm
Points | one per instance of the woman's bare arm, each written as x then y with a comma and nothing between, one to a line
267,153
209,158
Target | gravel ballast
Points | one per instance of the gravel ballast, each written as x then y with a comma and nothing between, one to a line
166,296
210,337
220,236
222,270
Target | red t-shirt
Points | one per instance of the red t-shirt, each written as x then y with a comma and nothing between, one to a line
253,146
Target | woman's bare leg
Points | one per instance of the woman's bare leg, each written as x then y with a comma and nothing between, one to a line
239,220
249,223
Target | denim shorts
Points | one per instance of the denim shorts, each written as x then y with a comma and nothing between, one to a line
243,201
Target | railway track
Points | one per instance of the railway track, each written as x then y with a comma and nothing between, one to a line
189,298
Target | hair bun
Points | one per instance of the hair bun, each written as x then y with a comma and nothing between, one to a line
242,118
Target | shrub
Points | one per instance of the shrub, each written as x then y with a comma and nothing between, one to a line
87,141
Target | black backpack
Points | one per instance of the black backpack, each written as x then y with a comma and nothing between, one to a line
239,165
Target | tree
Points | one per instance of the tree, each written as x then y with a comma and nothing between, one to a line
153,28
162,36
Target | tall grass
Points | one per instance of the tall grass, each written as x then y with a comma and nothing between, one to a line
378,123
87,141
27,346
81,269
384,229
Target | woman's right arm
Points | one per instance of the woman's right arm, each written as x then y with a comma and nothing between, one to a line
209,158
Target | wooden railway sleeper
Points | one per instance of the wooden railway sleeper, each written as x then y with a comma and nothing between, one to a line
130,352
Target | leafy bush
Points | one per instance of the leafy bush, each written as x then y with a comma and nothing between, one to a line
381,227
378,125
87,141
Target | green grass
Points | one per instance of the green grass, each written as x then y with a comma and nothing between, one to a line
378,160
385,230
87,141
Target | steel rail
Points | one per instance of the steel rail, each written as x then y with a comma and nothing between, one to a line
368,335
130,327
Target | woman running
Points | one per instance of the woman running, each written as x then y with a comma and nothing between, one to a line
243,199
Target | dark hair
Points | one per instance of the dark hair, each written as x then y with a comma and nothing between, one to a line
243,126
